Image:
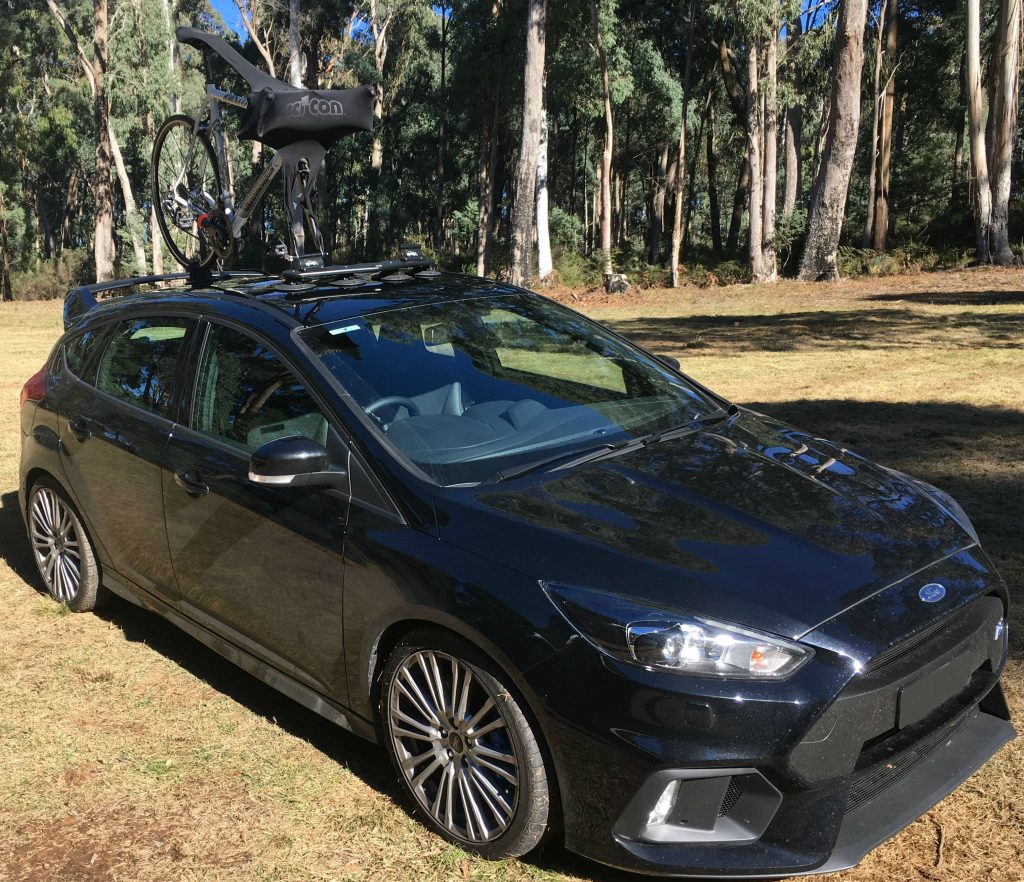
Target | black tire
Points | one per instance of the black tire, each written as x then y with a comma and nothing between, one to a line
169,155
61,547
531,809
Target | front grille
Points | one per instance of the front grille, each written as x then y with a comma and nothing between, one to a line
905,647
873,782
732,796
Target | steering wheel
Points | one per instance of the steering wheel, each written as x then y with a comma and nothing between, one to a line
392,401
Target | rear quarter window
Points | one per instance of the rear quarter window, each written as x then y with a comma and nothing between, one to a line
79,353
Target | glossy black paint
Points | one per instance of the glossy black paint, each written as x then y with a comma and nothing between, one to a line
750,522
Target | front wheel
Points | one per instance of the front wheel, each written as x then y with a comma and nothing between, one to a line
186,186
463,748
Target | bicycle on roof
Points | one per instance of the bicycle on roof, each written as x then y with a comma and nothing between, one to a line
196,208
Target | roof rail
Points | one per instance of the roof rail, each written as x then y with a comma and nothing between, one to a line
82,299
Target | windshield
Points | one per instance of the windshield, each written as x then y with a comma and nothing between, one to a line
466,389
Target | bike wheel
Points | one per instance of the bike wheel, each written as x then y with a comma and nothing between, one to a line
186,184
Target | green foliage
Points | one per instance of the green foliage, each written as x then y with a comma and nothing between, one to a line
52,279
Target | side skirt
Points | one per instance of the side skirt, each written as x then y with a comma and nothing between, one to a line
274,678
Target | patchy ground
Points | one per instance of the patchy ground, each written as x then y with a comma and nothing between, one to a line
130,752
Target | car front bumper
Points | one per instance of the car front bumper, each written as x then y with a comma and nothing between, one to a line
774,784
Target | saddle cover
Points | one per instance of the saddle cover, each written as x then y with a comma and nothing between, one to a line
281,116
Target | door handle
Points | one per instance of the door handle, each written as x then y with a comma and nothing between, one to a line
80,429
190,484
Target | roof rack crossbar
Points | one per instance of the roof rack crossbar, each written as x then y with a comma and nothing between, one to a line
372,270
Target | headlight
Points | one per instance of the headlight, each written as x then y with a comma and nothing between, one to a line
684,643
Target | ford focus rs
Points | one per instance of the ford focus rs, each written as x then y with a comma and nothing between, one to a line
571,591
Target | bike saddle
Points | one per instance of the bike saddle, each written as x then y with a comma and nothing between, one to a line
280,114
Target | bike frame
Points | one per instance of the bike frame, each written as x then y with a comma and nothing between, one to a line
301,162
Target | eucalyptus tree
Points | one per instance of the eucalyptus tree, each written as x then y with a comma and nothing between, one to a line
832,182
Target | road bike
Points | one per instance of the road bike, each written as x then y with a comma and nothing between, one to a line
197,211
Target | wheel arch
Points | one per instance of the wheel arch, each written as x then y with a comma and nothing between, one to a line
389,637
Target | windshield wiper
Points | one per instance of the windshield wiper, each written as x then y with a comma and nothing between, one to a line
572,458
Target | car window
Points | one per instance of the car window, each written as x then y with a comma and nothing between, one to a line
246,396
524,345
139,362
79,351
467,388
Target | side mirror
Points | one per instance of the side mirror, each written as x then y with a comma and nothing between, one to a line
291,462
669,360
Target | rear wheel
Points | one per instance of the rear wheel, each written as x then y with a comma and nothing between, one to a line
186,186
61,548
463,748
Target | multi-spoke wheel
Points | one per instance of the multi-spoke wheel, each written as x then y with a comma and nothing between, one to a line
61,548
186,186
463,749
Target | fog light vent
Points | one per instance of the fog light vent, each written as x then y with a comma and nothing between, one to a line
732,796
700,805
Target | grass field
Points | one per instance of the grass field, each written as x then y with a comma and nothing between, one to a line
130,752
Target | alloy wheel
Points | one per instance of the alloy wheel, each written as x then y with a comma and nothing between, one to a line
56,544
454,746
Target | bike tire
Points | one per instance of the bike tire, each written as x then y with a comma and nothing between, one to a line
176,127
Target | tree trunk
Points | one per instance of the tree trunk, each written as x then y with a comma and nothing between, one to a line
523,206
960,120
771,141
657,218
488,170
714,211
680,198
882,175
6,291
1004,109
831,186
732,243
103,238
544,265
294,45
442,130
876,119
131,215
755,211
606,153
172,58
794,133
976,113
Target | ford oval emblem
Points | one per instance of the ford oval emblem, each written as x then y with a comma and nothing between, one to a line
933,592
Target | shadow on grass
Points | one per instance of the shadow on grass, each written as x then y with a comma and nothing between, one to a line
829,329
15,550
954,298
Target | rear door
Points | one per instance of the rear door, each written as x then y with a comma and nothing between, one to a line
260,565
114,430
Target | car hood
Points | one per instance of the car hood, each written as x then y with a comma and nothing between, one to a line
752,522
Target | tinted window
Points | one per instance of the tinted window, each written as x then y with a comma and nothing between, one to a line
246,396
468,388
79,351
138,363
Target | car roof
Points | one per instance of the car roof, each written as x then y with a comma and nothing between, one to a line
240,294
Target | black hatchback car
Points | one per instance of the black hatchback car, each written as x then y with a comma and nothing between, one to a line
569,589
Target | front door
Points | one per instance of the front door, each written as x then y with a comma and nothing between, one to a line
114,430
260,565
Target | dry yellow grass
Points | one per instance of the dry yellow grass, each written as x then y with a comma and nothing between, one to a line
130,752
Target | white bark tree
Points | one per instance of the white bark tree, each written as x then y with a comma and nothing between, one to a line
529,144
544,262
979,158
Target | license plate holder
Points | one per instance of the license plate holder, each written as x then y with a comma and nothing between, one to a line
920,698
